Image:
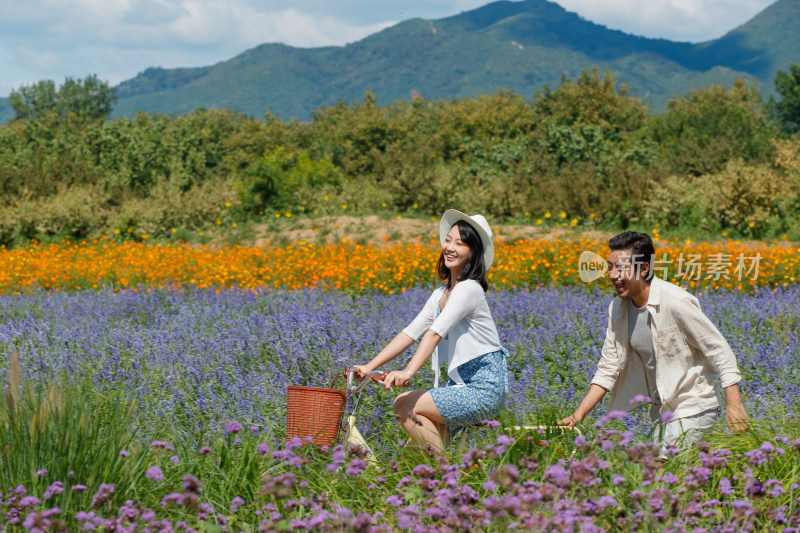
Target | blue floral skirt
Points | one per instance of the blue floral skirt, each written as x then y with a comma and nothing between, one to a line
480,398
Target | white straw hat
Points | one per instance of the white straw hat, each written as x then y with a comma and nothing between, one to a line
478,223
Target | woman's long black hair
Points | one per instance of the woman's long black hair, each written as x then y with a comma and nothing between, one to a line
474,268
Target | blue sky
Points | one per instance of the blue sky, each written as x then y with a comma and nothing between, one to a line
116,39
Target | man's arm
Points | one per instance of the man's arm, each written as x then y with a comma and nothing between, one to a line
603,380
735,414
702,334
592,398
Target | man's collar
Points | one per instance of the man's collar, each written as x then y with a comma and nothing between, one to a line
653,298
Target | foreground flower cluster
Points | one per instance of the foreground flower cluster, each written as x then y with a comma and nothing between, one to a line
609,481
365,268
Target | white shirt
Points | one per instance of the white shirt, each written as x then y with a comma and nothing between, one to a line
692,356
465,325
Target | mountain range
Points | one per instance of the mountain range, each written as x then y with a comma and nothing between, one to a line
521,46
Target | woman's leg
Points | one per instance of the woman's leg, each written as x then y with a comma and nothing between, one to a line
421,420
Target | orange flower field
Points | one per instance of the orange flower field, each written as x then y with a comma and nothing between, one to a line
353,267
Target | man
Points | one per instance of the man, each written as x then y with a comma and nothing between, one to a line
660,345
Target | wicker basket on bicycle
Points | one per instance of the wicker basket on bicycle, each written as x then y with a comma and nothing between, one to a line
315,412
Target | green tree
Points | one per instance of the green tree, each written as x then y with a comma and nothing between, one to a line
705,129
787,111
87,100
591,100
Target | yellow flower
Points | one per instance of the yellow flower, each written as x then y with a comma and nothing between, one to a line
130,230
145,236
724,233
219,222
227,204
527,214
383,204
116,230
751,224
591,215
344,206
326,197
538,220
288,214
574,222
316,211
399,217
547,215
201,233
233,225
302,208
415,205
563,214
277,215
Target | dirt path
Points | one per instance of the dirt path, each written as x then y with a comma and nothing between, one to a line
376,229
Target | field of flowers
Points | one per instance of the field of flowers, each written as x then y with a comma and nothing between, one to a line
164,409
361,268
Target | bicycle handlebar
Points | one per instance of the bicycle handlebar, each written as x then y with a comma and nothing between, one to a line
376,375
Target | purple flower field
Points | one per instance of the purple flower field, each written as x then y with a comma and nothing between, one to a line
209,370
207,357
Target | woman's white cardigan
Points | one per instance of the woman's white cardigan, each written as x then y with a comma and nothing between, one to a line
465,325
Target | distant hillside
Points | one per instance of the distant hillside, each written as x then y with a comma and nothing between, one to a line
521,46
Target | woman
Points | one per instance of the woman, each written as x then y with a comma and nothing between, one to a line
455,326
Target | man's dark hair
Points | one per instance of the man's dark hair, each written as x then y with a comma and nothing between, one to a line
474,268
641,247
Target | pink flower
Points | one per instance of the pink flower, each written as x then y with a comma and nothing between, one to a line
233,427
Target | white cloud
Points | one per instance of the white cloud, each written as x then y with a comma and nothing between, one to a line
684,20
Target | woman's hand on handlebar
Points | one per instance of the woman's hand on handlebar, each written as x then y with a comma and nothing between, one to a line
397,378
361,371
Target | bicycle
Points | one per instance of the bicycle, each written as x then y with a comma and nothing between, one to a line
353,436
319,412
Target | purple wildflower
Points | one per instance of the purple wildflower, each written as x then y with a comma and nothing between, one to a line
154,473
640,398
233,427
505,440
205,450
356,467
489,486
236,503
